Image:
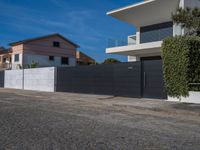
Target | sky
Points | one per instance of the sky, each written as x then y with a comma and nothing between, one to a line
83,21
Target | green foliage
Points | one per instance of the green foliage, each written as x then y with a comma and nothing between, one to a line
34,65
28,66
194,63
175,66
188,18
110,61
181,64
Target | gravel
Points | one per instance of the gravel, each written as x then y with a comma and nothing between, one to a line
63,121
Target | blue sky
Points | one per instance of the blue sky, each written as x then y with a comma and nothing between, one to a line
83,21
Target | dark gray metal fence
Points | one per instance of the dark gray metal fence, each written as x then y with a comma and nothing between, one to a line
117,79
127,79
1,78
122,79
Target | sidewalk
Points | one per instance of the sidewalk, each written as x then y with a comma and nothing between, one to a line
174,108
152,106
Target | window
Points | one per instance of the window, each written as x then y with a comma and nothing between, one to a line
16,57
4,60
56,44
156,32
51,58
64,61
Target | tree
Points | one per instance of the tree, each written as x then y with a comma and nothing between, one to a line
111,61
189,19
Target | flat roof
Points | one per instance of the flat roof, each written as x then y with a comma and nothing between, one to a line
130,6
146,12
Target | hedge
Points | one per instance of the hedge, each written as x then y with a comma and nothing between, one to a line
181,65
194,63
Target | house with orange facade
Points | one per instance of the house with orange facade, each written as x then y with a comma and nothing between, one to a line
83,59
5,58
46,51
51,50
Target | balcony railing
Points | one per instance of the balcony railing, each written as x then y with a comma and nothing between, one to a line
122,42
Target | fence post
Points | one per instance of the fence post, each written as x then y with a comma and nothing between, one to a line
55,78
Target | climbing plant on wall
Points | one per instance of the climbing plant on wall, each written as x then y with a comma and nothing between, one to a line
181,65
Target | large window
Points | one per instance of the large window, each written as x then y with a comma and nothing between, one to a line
16,57
64,60
157,32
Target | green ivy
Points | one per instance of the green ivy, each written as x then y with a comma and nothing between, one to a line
181,65
175,66
194,63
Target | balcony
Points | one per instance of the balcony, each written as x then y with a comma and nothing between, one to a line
5,66
122,42
131,47
147,43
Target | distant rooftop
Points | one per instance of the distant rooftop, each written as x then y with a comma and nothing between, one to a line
42,37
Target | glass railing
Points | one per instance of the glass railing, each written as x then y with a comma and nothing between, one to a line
122,42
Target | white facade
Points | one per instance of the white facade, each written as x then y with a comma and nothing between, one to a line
133,58
42,60
17,64
147,13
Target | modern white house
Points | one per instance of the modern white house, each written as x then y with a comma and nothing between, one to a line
153,23
152,19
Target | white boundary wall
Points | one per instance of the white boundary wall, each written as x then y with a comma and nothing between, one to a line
13,79
194,97
38,79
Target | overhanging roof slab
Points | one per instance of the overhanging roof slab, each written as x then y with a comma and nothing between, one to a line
146,13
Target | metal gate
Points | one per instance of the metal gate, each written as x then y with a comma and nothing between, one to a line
1,78
153,83
127,79
121,79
